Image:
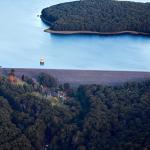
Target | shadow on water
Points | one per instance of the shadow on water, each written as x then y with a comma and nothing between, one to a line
101,36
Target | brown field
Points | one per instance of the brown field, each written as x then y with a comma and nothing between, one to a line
77,77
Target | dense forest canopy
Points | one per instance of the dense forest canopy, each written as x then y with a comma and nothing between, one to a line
93,117
98,15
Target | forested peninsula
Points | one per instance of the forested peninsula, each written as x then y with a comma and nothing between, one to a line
98,17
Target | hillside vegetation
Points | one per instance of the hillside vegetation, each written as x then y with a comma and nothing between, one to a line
94,117
99,16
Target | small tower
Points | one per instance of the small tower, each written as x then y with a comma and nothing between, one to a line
42,61
12,77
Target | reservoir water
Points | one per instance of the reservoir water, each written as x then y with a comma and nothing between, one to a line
23,43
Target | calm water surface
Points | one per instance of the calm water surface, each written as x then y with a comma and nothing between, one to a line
23,43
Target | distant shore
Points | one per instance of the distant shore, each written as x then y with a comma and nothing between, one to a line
94,32
82,77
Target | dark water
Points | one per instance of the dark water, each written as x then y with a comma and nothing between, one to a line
23,43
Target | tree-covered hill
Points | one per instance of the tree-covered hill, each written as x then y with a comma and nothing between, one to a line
99,16
94,117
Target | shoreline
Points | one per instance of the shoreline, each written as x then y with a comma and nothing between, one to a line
96,33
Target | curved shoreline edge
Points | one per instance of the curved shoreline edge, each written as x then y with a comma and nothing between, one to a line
96,33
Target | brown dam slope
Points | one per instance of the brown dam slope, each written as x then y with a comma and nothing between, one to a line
77,77
96,33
